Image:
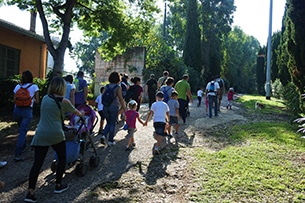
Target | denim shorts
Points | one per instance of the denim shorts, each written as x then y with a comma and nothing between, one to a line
159,128
173,120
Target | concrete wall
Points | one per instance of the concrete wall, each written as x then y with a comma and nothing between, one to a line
132,62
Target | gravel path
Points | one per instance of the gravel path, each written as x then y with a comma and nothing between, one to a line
134,176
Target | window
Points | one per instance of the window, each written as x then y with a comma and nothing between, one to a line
9,61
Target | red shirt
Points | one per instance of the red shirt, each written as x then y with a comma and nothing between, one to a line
131,118
230,95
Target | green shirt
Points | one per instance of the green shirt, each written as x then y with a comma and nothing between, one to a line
182,86
49,130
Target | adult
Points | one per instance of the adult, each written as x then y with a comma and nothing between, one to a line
111,111
221,83
50,133
184,91
161,80
135,91
70,89
81,89
212,90
151,86
24,114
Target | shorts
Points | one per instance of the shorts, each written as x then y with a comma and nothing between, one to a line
101,113
130,132
159,128
173,120
220,94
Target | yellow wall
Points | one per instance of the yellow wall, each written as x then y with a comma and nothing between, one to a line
33,52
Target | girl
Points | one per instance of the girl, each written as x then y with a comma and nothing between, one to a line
131,116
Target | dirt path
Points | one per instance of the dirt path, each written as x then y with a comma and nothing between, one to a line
134,176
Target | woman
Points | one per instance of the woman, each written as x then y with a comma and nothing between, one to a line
138,91
49,133
24,114
111,111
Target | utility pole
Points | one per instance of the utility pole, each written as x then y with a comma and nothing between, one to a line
268,85
164,21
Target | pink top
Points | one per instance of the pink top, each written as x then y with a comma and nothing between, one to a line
131,118
230,95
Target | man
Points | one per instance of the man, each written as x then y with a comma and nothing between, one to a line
81,89
184,91
221,83
151,89
161,80
212,89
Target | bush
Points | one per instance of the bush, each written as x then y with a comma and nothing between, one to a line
292,100
277,89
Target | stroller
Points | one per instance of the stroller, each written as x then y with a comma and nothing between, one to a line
79,137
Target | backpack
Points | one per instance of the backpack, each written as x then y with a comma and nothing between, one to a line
212,87
124,89
108,96
23,97
166,95
77,85
132,93
220,82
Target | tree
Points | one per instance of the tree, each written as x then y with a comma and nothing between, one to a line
93,17
192,48
294,35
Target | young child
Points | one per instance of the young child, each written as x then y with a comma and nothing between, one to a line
206,104
199,96
131,117
161,117
230,97
173,105
100,106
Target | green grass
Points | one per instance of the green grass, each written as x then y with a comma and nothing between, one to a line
263,163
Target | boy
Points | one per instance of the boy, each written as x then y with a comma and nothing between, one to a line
199,96
173,105
100,106
161,118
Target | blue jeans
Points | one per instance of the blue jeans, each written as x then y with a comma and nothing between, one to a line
23,116
111,115
213,99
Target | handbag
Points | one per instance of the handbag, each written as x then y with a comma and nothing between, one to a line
125,127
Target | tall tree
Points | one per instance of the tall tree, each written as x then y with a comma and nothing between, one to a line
217,17
294,35
93,17
192,48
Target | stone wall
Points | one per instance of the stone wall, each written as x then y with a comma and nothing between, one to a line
132,62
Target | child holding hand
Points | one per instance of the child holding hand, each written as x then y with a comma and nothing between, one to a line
131,117
160,110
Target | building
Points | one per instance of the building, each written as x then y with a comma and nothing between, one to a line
20,50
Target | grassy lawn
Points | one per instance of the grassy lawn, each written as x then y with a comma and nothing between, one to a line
264,163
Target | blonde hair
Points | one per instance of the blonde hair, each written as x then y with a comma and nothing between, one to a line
132,104
57,86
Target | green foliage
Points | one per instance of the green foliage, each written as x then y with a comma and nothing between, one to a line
292,100
277,89
239,63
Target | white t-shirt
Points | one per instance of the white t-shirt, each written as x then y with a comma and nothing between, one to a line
32,89
159,108
216,86
98,100
199,93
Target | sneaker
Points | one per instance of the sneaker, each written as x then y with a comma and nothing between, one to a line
61,188
111,143
176,134
18,158
156,150
2,163
133,144
30,198
103,139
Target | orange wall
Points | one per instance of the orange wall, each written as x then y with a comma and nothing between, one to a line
33,52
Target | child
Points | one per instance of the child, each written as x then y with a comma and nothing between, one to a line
199,96
161,118
100,106
173,105
131,116
230,97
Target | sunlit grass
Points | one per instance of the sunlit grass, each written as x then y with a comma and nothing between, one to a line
264,162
